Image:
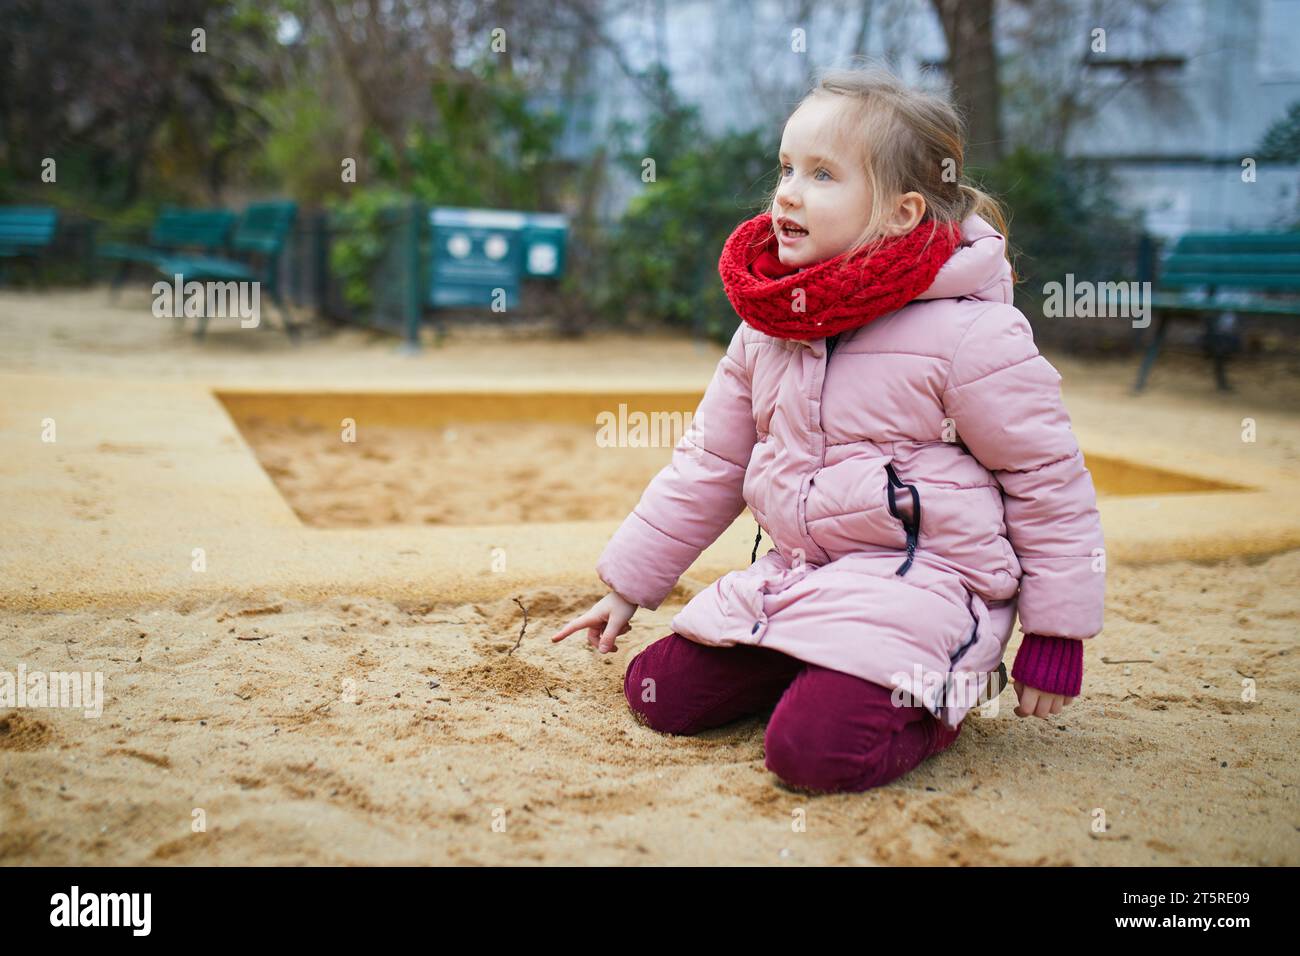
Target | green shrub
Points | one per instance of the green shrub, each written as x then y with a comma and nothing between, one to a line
361,235
661,262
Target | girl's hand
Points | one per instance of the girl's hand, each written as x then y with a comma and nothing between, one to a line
1038,703
607,619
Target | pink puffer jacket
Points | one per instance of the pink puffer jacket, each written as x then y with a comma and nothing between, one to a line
919,488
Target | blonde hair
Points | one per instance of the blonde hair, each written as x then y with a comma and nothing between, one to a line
910,141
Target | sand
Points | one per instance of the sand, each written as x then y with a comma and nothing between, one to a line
356,729
472,473
453,725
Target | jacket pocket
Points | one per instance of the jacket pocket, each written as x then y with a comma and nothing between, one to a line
910,518
847,509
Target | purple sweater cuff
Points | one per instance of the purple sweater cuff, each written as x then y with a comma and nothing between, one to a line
1051,664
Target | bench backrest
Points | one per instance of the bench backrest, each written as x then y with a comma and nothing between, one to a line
264,228
28,227
206,229
1265,261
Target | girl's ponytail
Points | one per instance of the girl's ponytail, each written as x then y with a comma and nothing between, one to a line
984,205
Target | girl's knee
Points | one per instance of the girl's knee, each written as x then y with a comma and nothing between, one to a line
641,690
823,772
819,762
633,688
658,717
805,760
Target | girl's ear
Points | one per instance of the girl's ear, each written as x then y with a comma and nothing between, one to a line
908,211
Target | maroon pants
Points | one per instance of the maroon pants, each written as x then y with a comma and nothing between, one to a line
830,731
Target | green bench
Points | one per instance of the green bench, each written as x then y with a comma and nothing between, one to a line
1219,275
173,231
260,238
26,232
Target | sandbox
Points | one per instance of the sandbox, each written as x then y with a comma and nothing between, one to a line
365,459
406,462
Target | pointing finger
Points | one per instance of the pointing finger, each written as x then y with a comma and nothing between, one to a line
576,624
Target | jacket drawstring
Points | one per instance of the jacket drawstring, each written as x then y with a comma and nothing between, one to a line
754,557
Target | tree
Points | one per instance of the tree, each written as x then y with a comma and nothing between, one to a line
1281,142
968,30
98,86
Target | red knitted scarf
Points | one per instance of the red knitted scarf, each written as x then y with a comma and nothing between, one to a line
840,293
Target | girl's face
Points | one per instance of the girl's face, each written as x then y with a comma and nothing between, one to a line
828,196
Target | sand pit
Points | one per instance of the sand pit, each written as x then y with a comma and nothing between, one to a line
510,472
322,696
469,473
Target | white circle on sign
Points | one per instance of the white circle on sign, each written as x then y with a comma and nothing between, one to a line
495,247
459,245
542,258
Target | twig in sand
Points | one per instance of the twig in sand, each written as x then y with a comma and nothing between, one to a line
275,608
521,630
1136,660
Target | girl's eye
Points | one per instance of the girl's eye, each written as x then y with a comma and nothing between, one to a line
820,169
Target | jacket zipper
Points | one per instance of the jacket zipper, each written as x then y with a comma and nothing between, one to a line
831,342
961,651
952,662
912,527
830,347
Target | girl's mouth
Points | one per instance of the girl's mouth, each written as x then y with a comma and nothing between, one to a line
790,233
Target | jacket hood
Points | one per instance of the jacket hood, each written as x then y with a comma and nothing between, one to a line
978,268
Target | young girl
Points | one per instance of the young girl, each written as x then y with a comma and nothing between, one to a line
918,490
